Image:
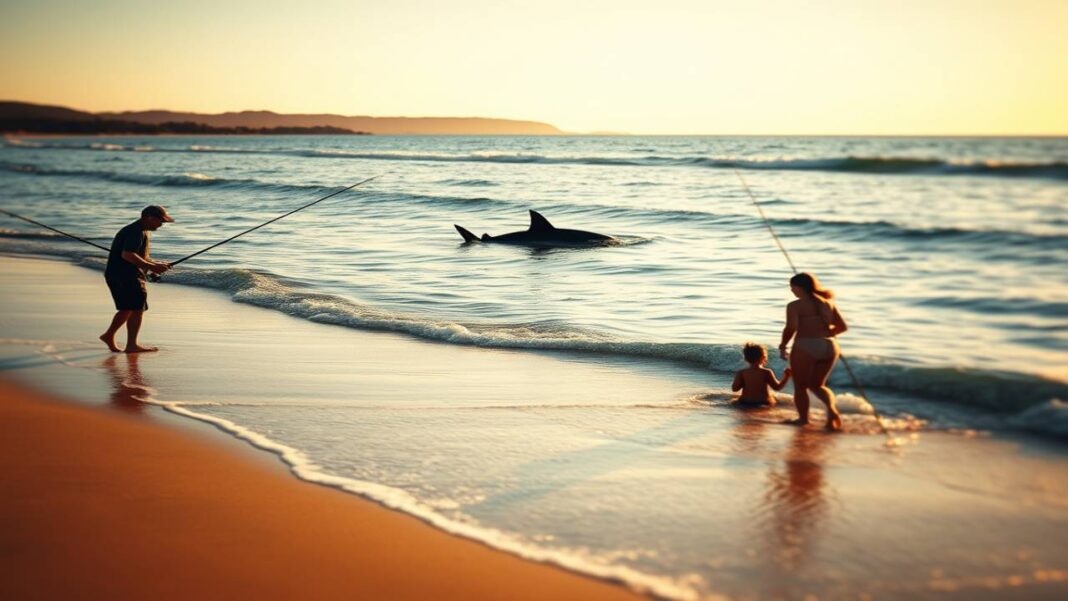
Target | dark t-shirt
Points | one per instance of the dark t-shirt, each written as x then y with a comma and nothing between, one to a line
133,238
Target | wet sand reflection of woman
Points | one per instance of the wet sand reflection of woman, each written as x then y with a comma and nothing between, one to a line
798,502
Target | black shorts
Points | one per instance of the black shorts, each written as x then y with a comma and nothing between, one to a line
129,294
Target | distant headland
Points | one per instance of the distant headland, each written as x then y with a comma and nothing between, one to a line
24,117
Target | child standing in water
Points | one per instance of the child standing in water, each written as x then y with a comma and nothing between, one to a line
757,381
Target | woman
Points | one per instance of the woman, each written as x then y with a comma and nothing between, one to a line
815,320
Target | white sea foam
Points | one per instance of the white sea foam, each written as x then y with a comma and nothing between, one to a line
400,500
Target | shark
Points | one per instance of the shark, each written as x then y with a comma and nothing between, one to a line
541,234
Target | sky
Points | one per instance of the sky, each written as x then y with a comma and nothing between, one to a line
824,67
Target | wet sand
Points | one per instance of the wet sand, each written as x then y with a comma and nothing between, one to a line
778,512
125,501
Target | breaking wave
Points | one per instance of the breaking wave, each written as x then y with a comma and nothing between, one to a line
847,164
1031,402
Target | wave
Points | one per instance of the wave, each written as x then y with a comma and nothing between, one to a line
1003,306
468,182
35,235
846,164
900,165
861,230
849,164
995,392
165,180
303,467
986,238
991,390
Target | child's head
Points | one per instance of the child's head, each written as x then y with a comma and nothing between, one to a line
755,354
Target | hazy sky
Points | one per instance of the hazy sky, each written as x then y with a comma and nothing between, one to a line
649,66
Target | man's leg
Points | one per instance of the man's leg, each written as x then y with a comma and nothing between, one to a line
133,327
116,322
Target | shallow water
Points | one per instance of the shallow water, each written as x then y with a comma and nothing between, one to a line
947,255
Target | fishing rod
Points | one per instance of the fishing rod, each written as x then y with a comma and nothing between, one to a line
48,227
155,277
845,362
330,195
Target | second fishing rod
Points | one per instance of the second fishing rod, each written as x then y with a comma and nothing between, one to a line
155,277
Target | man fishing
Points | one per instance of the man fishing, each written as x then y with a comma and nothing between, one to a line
128,260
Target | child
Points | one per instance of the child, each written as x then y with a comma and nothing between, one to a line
755,380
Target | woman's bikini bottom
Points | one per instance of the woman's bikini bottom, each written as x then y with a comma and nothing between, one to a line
820,349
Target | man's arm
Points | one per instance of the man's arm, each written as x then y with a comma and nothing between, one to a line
139,261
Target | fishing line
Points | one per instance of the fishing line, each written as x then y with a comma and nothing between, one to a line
48,227
845,362
154,276
266,223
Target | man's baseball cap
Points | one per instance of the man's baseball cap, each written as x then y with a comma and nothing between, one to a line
157,211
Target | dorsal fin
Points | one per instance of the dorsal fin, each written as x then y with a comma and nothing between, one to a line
539,223
468,236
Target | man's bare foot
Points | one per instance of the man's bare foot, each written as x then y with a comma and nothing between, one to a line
110,341
834,423
137,348
796,422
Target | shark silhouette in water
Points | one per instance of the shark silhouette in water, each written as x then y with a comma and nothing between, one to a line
542,234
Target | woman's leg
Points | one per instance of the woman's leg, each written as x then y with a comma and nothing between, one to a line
821,370
802,366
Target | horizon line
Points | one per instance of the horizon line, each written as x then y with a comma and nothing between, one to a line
563,132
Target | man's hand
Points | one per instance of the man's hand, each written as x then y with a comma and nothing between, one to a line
159,267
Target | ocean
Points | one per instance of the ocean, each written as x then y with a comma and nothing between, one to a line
947,257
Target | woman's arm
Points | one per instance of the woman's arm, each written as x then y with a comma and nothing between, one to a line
838,322
789,330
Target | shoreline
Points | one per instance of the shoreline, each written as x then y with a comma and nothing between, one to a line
334,402
129,499
129,509
55,359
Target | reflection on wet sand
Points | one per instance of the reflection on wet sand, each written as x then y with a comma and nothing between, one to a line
793,512
129,392
797,501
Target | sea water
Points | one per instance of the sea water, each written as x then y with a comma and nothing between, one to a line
947,257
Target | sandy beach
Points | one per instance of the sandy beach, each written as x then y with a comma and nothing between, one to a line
124,502
128,497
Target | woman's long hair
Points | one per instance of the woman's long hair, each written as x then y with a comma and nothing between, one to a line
808,282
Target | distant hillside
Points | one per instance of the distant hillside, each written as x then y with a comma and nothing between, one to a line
37,118
374,125
21,117
25,110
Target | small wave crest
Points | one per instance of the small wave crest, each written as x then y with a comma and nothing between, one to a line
845,164
473,183
24,235
166,180
1002,392
898,165
1022,401
865,230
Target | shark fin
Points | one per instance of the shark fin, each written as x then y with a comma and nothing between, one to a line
539,223
468,236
